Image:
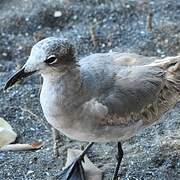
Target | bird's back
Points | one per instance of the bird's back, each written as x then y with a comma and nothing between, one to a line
129,91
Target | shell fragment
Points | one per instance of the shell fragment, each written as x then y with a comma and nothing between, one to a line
7,135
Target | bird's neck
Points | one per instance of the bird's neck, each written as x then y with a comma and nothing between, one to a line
68,77
59,97
63,89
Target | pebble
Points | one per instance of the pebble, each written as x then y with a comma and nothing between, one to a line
27,19
4,54
124,38
2,68
57,14
159,51
75,17
32,129
30,172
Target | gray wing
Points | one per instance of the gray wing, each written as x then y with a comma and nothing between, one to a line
122,81
98,70
134,88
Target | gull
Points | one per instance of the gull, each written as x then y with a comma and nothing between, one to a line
103,97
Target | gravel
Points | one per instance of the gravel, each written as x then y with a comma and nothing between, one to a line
93,26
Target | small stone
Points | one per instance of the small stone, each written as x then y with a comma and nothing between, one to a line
57,30
39,27
75,17
30,172
94,20
109,44
27,19
4,54
47,173
142,32
32,95
32,129
166,41
20,47
103,45
21,117
57,14
159,51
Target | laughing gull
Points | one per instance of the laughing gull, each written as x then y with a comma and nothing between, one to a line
103,97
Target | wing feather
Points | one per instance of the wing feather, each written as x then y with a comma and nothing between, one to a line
138,89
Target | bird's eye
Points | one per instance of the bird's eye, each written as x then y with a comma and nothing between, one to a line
51,59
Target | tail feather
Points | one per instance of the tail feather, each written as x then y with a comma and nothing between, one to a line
171,66
173,73
168,62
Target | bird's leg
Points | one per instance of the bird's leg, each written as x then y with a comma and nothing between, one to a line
75,169
56,141
119,158
85,150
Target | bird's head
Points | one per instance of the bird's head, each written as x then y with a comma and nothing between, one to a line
47,56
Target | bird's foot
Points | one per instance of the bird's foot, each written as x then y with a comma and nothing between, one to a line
75,170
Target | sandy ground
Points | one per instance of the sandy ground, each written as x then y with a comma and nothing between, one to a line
93,26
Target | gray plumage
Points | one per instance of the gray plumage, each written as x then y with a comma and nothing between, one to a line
105,96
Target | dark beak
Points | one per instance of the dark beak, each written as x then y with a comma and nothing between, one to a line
21,74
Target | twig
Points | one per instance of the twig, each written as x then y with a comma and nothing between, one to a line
94,37
38,36
149,22
40,85
30,112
